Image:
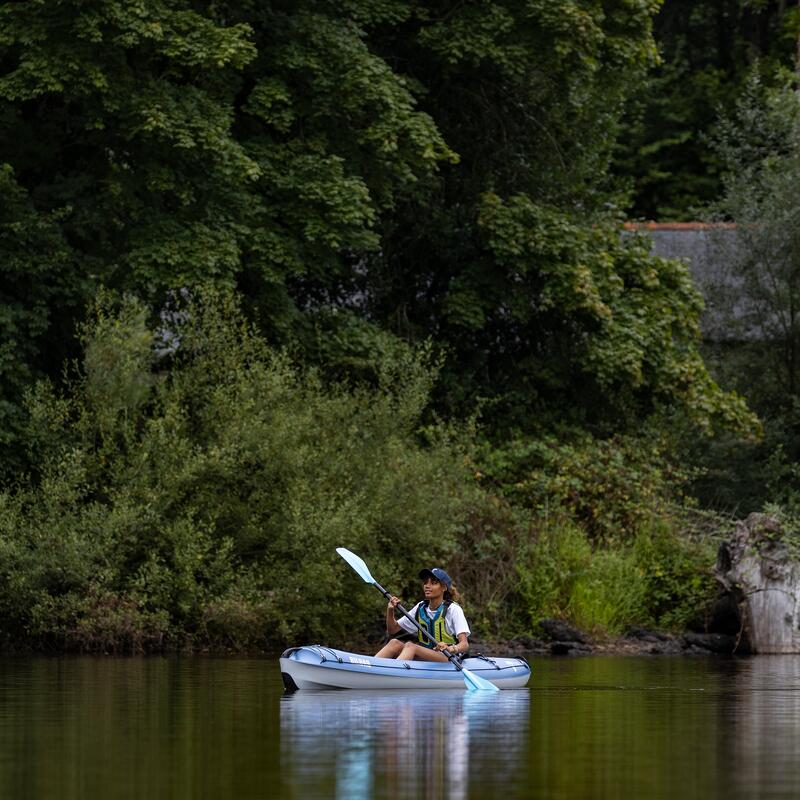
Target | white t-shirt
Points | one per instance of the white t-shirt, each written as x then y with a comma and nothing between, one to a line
454,622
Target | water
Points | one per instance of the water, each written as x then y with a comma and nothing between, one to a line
599,727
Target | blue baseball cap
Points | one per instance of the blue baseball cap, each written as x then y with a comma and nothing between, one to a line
438,573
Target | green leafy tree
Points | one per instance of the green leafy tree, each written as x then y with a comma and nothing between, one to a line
116,160
42,290
514,264
362,172
707,50
760,144
756,296
152,146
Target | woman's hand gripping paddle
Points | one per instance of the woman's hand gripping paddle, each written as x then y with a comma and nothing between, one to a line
473,681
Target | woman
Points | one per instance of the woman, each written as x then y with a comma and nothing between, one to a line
438,613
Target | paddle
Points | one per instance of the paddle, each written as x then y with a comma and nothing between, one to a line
473,681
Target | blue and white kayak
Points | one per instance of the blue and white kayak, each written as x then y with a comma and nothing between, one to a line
318,667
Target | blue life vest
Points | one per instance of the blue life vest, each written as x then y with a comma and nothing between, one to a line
433,624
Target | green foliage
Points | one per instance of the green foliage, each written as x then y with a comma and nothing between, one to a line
118,357
735,476
521,570
761,148
412,203
609,487
551,568
611,594
607,544
607,315
202,505
663,577
708,49
756,297
152,146
195,499
675,572
359,171
41,286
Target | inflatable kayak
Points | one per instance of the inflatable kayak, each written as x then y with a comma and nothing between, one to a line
318,667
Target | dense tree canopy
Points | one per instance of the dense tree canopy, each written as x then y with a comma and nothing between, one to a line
359,171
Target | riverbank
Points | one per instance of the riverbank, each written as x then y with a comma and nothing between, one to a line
557,638
642,643
561,639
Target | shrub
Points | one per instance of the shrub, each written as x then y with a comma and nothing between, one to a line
550,567
197,499
676,570
611,593
610,487
598,589
663,577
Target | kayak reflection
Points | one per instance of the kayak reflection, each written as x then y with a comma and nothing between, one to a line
401,744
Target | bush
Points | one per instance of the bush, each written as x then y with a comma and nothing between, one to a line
549,568
196,500
676,570
597,589
611,594
663,577
610,487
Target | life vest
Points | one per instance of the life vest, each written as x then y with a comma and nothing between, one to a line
433,624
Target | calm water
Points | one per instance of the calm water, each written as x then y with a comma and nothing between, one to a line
220,728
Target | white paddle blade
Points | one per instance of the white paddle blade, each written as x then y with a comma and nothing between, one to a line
356,563
477,684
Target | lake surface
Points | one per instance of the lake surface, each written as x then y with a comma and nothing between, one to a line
597,727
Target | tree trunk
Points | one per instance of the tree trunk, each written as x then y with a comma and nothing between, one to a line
762,572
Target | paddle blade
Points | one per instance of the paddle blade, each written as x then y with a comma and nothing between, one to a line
356,563
477,684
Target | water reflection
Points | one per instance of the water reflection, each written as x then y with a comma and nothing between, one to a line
125,729
586,729
760,722
401,744
696,728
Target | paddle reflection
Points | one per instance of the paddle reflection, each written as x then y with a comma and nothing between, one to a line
396,745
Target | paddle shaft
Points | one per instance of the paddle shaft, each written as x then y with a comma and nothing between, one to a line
453,659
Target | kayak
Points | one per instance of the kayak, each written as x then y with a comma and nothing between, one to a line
318,667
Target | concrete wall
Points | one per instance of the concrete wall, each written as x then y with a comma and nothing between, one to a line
711,253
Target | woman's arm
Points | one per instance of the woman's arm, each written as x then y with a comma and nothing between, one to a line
457,622
391,623
460,647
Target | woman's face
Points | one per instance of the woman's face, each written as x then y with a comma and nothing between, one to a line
433,589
